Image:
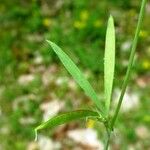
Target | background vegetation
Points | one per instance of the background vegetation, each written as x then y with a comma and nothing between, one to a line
32,78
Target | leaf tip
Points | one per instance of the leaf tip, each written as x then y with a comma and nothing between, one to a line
36,135
111,19
48,41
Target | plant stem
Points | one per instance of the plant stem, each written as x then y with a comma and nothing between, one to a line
132,54
128,73
108,139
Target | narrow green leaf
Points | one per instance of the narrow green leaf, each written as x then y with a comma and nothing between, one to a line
65,118
77,75
109,62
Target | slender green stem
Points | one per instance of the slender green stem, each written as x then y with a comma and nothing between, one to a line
108,139
127,77
132,54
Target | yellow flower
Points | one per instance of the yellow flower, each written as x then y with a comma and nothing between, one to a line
146,64
98,23
47,22
90,123
143,34
84,15
79,24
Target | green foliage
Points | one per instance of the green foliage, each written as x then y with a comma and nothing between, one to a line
67,117
109,65
84,84
79,28
77,75
109,62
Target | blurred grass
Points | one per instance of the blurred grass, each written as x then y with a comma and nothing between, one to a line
79,28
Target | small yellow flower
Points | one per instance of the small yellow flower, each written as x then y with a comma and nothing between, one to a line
143,34
146,64
98,23
90,123
47,22
79,24
84,15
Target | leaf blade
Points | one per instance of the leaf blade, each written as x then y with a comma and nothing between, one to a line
65,118
77,75
109,62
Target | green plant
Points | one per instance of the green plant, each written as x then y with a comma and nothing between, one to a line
102,112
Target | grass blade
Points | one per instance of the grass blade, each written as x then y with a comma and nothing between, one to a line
65,118
77,75
109,62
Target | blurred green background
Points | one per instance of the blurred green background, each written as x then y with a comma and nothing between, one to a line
34,84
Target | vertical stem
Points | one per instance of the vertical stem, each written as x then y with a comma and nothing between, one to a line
127,77
108,139
132,54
